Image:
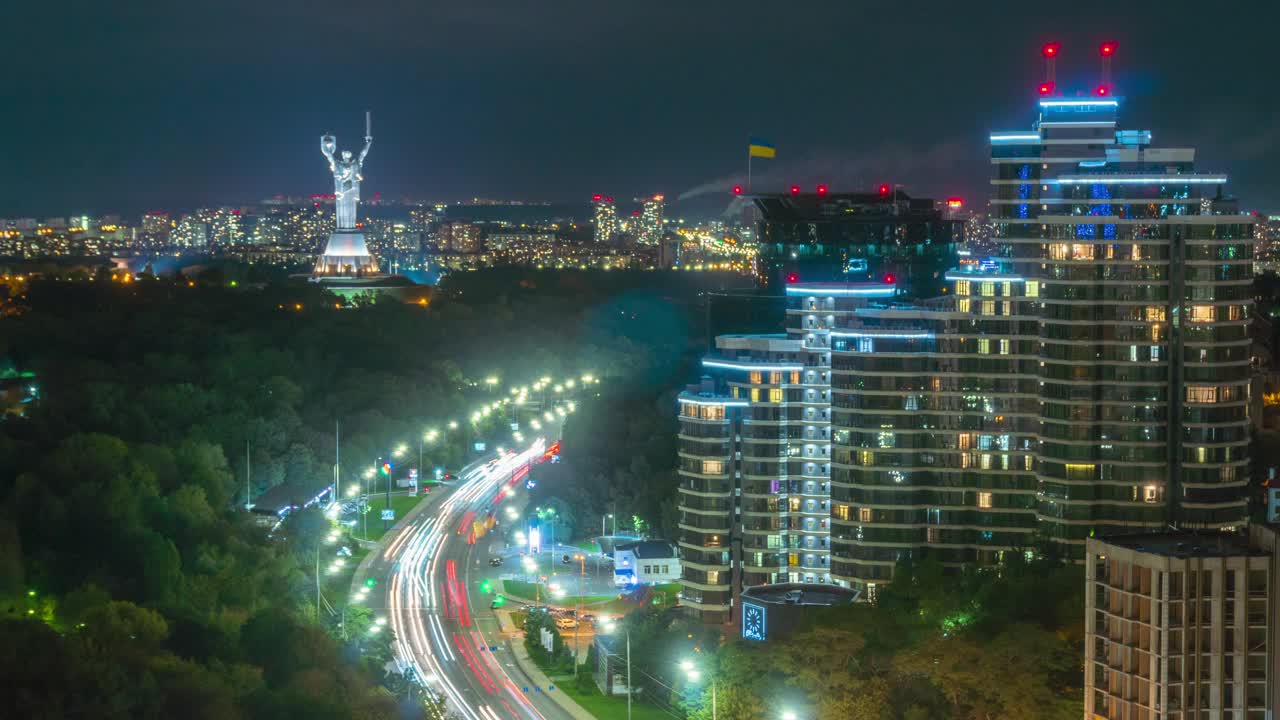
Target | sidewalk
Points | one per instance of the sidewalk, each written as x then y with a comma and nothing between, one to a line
539,678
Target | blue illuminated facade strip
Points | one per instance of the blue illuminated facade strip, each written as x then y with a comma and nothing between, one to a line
1016,137
1140,180
980,276
730,365
881,291
723,403
887,335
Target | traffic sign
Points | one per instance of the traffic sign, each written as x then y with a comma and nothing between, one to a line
388,514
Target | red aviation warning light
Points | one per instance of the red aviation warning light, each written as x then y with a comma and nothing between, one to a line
1046,88
1108,48
884,189
596,197
1050,50
1103,91
793,278
737,189
955,203
795,189
822,189
889,278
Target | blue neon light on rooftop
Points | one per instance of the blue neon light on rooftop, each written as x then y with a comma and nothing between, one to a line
1093,163
1079,103
880,291
1016,137
889,335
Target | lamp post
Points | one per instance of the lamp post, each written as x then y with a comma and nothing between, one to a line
692,672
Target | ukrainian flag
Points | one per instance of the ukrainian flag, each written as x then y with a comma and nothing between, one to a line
760,148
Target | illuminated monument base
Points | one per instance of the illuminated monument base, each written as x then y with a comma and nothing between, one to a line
345,255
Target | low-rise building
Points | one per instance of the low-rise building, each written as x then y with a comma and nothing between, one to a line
646,562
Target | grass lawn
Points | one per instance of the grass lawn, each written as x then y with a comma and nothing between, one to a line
587,544
521,589
401,504
609,708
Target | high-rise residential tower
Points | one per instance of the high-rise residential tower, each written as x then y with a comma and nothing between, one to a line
1091,379
605,218
1144,272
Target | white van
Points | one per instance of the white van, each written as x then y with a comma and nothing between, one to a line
566,623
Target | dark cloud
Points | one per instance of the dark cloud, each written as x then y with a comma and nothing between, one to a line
138,104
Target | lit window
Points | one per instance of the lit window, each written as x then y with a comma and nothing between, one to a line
1081,251
775,395
842,512
1201,313
1202,393
988,289
932,535
984,500
988,307
712,467
1150,494
984,345
962,287
795,377
775,378
1083,471
1033,288
713,412
1006,289
1004,347
962,305
866,457
756,377
1155,313
864,514
755,394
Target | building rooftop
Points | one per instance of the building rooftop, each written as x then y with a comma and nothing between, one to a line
801,594
649,549
1181,544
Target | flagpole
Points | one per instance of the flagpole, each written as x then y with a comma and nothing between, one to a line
748,167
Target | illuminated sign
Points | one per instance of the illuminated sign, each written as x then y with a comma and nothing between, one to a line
753,621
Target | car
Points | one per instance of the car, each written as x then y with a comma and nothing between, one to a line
587,617
566,560
495,562
566,623
450,476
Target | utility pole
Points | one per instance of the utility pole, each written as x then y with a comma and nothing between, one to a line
337,462
248,493
317,582
628,674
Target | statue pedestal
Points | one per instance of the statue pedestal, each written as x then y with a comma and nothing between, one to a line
345,255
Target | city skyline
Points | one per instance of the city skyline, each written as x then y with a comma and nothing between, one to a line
592,110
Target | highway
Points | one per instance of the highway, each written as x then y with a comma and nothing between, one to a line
444,628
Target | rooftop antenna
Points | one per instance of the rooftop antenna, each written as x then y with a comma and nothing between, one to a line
1106,50
1050,53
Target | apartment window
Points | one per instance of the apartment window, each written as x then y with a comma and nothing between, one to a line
712,467
1155,353
1082,471
965,440
912,402
988,307
795,377
713,412
1202,454
1059,251
1150,494
932,535
1202,393
755,394
713,577
962,305
648,569
666,569
1155,313
988,289
984,500
1004,347
775,378
1228,474
1081,251
866,457
793,559
986,461
1006,288
984,345
1234,312
688,410
962,287
794,504
1201,313
1033,288
1136,252
865,344
842,512
864,514
756,377
775,395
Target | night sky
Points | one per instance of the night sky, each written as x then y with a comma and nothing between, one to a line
126,106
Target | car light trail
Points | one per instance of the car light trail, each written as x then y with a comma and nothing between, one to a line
421,589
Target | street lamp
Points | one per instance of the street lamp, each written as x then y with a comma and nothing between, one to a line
453,424
694,675
788,715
